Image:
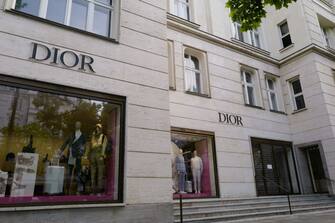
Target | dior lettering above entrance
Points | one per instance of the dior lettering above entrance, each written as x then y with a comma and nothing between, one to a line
67,58
230,119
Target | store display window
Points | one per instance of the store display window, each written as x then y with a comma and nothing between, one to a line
59,146
193,165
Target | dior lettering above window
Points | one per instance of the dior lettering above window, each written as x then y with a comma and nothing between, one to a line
297,94
285,34
250,87
182,9
251,37
196,76
58,147
95,16
272,91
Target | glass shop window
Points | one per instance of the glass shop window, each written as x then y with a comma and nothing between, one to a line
193,165
58,148
96,16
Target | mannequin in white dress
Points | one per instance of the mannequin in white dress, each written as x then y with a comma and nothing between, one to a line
197,168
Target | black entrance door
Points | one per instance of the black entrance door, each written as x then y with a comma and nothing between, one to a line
316,169
274,168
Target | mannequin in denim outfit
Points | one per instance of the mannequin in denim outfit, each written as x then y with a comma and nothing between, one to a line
181,171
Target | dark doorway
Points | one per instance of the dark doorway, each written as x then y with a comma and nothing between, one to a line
317,173
275,171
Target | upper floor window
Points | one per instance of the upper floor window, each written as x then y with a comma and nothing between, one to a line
182,9
272,91
196,76
252,37
297,94
95,16
285,34
250,87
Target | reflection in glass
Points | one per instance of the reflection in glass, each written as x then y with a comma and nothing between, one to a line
79,14
28,6
101,20
57,148
56,10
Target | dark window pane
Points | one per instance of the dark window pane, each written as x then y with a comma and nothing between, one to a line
300,102
79,14
296,87
195,63
101,20
56,10
284,28
28,6
271,84
287,41
248,77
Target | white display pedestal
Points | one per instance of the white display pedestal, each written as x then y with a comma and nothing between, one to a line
3,183
54,180
24,175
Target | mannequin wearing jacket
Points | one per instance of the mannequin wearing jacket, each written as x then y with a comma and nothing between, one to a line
181,171
76,149
97,159
197,168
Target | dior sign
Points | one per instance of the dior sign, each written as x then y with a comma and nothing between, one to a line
67,58
230,119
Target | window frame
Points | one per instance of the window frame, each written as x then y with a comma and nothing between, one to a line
188,4
203,70
274,91
294,96
248,37
255,85
52,88
282,36
114,16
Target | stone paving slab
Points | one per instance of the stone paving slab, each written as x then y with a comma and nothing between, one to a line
312,217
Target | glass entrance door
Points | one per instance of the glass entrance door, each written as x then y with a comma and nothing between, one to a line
275,172
316,169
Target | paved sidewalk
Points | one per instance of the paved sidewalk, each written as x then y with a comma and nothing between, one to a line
313,217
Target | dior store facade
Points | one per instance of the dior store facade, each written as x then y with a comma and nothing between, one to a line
84,122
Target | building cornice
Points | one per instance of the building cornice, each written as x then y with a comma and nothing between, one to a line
245,48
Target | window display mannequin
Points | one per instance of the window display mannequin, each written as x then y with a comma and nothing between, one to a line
76,149
197,168
97,157
181,171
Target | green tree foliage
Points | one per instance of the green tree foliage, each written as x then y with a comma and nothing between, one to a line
249,13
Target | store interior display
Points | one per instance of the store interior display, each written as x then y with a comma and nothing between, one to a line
181,171
197,169
75,149
3,183
193,165
23,184
59,147
97,157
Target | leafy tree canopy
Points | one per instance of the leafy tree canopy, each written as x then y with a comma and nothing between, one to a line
249,13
